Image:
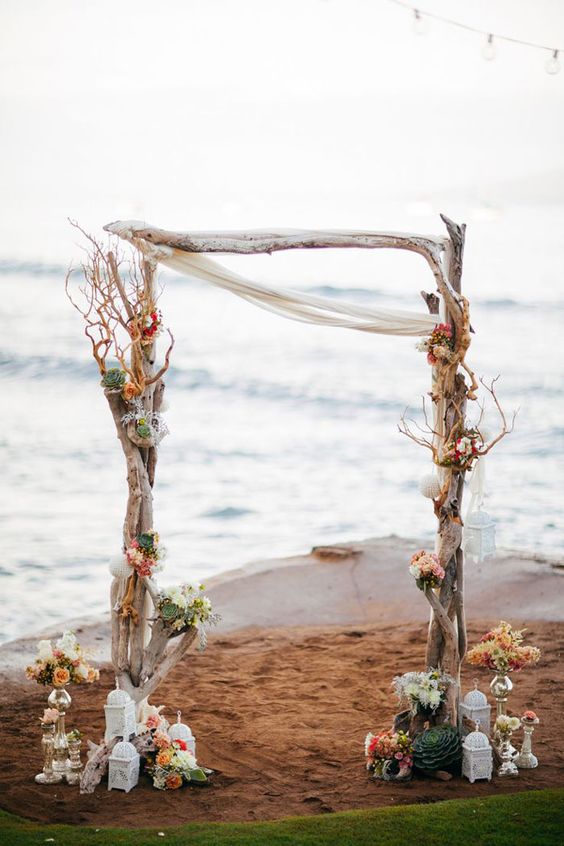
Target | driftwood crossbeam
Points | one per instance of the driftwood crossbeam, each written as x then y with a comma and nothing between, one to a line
116,294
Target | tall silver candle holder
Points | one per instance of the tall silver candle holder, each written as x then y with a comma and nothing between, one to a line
47,776
525,760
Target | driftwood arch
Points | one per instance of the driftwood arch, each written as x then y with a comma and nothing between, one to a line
114,301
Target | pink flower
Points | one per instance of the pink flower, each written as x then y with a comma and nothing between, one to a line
529,715
153,721
398,756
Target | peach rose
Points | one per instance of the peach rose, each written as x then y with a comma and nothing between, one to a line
164,757
173,781
61,676
129,391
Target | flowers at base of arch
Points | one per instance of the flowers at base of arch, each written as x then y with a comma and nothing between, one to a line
502,650
62,663
389,754
145,554
505,725
439,345
462,450
182,606
426,570
424,691
168,761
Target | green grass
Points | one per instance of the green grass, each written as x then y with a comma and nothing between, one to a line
533,818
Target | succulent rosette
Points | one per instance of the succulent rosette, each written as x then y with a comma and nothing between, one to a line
502,650
145,554
437,748
114,378
61,664
426,570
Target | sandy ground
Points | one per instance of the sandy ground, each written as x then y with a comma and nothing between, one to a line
280,707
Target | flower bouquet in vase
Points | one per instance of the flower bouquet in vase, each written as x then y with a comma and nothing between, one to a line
425,692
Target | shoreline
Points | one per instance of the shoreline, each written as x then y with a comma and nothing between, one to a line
352,583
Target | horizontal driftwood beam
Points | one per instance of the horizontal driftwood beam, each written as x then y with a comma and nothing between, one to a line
262,241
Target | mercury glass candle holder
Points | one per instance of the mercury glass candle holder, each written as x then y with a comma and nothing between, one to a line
47,743
525,760
59,698
73,774
501,686
507,767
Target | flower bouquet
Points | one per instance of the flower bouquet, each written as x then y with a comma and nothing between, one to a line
150,324
505,725
439,345
144,553
389,755
501,650
168,762
462,450
61,664
182,606
426,570
425,692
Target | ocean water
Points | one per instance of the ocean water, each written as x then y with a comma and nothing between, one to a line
282,435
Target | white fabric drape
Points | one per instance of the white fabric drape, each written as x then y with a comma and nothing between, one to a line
293,304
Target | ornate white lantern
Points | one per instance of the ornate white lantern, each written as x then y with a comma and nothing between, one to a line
477,756
124,763
479,535
475,707
180,731
120,715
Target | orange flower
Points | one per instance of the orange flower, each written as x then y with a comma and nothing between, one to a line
164,757
129,391
173,781
61,676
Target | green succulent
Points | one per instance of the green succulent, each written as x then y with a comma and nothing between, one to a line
113,378
437,748
146,541
169,611
144,430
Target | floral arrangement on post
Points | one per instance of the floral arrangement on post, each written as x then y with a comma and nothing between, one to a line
182,606
462,449
61,664
426,570
150,325
501,650
505,725
424,691
439,345
389,755
148,424
168,762
145,555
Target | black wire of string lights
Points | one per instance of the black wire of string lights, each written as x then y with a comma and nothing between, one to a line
420,21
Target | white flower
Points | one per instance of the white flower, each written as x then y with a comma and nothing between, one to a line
367,740
414,570
185,760
434,698
82,671
175,595
44,650
68,645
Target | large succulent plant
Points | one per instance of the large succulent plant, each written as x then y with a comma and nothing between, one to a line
113,378
437,748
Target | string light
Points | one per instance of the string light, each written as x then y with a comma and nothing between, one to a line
421,18
488,50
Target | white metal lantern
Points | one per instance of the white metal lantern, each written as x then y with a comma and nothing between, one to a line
123,767
479,535
477,756
180,731
120,715
475,707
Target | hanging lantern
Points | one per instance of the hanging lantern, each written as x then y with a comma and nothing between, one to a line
120,715
477,756
430,486
478,539
180,731
475,708
123,773
119,568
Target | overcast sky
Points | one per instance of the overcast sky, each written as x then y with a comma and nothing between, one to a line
213,113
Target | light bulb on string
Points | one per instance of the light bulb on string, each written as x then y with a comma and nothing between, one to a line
552,65
488,50
419,23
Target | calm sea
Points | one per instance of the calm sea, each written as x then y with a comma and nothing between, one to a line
282,435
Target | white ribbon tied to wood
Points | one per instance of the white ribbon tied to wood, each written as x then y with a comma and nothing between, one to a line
295,305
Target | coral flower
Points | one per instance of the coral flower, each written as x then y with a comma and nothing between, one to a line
153,721
181,744
129,391
164,757
61,676
173,781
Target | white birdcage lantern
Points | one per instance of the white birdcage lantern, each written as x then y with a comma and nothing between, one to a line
477,755
120,715
123,773
180,731
479,535
475,708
